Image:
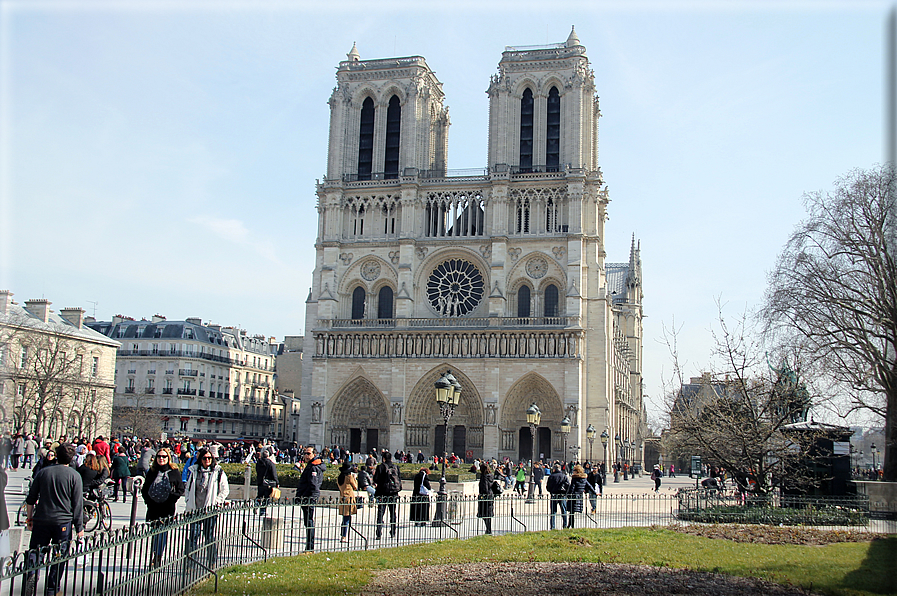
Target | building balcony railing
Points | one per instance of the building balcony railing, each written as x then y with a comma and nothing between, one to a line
202,393
167,390
186,391
150,390
151,372
188,372
469,322
132,371
130,389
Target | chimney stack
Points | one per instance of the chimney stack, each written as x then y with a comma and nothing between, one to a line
75,316
195,321
39,308
5,301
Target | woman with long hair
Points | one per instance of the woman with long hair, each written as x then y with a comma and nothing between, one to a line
347,502
206,487
420,498
485,499
579,485
161,491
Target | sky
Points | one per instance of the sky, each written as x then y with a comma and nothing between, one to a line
160,157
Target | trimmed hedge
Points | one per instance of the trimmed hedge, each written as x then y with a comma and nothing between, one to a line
288,474
734,514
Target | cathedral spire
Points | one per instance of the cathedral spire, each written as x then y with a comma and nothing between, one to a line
573,40
353,54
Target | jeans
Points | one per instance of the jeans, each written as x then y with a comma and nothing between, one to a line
206,528
44,535
347,521
308,518
382,504
559,501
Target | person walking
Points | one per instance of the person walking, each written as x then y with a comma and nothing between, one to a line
121,471
656,474
486,491
265,478
30,450
147,457
308,490
161,491
420,498
520,479
538,475
347,503
594,478
557,486
579,485
54,510
388,485
206,487
18,451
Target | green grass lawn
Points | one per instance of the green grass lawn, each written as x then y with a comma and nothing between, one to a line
848,568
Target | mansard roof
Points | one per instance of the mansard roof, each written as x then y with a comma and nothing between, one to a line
616,274
19,316
226,336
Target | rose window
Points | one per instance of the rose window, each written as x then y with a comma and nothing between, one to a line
455,288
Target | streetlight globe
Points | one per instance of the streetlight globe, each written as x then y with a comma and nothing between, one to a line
591,432
565,425
443,387
604,437
533,415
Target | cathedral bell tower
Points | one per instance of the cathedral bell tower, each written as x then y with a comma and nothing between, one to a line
385,116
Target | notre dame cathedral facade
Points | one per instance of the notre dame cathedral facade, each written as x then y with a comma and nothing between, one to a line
498,275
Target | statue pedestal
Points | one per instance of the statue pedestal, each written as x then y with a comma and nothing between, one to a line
882,497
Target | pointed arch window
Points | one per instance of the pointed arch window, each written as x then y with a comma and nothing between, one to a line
384,303
523,302
366,140
551,301
526,131
553,131
358,297
393,128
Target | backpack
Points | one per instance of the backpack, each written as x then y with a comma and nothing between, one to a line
496,487
393,480
159,491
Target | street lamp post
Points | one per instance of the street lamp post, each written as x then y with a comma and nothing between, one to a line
565,430
873,456
604,438
619,443
448,394
626,448
533,418
591,433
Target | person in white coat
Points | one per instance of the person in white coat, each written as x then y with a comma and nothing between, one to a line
206,487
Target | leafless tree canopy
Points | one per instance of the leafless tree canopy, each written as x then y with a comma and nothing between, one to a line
833,292
736,417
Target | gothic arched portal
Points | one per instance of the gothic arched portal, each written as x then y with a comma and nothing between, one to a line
359,417
424,425
530,389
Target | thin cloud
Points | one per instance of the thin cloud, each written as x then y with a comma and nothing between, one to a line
235,231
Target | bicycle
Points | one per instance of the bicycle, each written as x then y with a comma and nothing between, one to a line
97,512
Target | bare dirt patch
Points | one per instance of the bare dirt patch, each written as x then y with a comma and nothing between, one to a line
567,579
776,535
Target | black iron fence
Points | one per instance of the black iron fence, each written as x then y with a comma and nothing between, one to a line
166,559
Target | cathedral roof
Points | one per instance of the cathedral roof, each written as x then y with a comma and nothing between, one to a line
616,274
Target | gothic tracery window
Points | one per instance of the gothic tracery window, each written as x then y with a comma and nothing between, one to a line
526,131
553,131
366,140
384,303
523,302
393,129
358,298
551,301
455,288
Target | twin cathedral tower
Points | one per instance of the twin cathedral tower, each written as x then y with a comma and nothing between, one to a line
498,275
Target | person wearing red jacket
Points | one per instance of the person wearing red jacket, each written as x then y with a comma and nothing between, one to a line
101,448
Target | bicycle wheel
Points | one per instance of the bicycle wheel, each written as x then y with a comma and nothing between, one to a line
21,515
106,516
91,516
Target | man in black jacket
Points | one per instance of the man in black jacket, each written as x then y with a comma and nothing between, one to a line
265,477
387,494
557,486
308,490
59,495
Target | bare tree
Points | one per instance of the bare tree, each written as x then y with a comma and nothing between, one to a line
138,417
833,294
736,416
